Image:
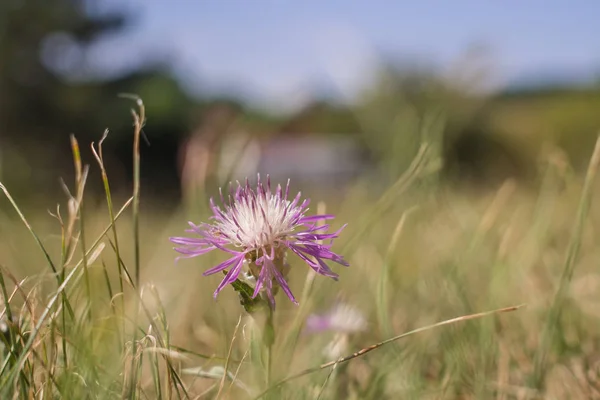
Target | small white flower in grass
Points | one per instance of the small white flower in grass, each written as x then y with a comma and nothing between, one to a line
337,347
341,318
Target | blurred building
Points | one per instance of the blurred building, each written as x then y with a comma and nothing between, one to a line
321,160
308,160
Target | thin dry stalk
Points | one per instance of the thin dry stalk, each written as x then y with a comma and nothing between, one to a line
381,344
222,383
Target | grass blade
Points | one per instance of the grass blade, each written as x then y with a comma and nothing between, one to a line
568,269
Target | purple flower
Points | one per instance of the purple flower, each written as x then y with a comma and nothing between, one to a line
257,227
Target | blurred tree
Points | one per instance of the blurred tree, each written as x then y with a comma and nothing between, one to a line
41,42
398,110
413,103
321,117
46,94
566,116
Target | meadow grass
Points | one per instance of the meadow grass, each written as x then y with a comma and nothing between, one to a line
95,306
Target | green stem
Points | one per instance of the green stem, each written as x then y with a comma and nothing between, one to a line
269,339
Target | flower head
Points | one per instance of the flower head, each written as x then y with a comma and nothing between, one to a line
257,228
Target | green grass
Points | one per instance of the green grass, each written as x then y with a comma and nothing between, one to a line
98,309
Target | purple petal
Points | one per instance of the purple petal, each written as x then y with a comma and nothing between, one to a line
269,290
326,271
219,245
189,241
296,200
308,237
223,265
287,190
231,276
193,252
262,277
316,218
315,228
316,266
201,229
319,251
304,204
282,282
332,235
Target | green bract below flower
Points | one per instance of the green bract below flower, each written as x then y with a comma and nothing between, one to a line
258,227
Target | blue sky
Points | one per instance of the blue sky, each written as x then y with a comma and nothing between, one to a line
276,50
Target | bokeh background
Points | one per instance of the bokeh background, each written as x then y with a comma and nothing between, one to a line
338,96
318,92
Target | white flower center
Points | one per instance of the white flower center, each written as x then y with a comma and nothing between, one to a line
258,221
